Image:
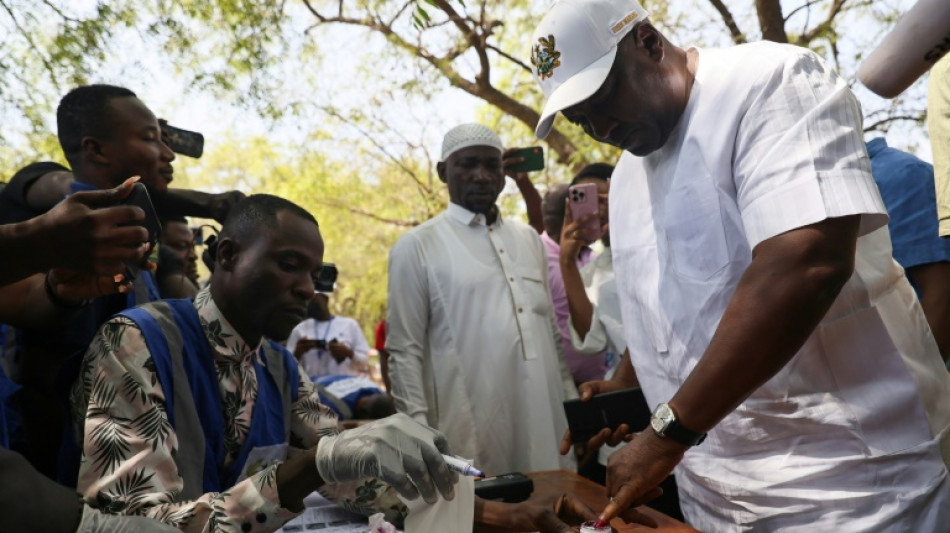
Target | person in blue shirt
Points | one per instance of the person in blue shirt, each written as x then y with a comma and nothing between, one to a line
907,187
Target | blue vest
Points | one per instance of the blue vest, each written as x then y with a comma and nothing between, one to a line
186,371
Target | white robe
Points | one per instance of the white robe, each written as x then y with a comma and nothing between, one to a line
474,349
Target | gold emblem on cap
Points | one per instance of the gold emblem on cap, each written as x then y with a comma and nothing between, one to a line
544,57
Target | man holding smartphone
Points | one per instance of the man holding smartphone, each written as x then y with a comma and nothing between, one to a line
474,348
328,344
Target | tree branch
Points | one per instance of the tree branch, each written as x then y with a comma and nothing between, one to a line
369,214
481,87
509,57
894,118
737,36
423,189
29,39
827,24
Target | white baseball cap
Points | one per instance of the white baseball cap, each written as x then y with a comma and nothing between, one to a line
573,49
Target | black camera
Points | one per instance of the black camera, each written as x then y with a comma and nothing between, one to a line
326,278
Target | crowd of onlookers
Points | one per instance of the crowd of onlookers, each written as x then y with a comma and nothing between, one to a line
736,268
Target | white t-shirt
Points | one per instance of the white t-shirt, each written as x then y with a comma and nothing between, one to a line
851,435
345,330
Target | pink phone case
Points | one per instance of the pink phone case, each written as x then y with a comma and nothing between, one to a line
584,201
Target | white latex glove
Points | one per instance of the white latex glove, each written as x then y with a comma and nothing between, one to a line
397,450
94,521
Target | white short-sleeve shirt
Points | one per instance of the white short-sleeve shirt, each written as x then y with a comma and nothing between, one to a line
342,329
846,437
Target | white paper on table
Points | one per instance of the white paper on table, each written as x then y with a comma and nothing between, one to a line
323,516
456,515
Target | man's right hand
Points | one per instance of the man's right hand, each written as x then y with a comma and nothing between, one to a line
606,436
221,203
84,234
396,450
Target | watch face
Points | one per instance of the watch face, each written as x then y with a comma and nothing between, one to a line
662,417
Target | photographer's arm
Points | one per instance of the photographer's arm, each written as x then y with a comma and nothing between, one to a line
189,203
48,190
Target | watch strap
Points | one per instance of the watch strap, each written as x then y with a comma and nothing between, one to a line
682,435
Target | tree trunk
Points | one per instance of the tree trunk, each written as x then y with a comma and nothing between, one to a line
771,20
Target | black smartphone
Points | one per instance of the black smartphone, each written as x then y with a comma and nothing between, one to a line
608,410
184,142
139,196
533,159
512,488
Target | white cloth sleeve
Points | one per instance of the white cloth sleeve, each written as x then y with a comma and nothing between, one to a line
406,328
800,156
360,346
595,341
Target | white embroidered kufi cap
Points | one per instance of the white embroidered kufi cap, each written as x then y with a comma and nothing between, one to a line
467,135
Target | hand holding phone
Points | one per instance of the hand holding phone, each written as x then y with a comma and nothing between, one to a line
583,201
611,410
139,197
523,160
184,142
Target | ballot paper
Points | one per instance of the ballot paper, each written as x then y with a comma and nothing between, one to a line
323,516
456,515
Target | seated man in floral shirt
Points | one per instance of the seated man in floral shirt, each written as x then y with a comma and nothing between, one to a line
180,400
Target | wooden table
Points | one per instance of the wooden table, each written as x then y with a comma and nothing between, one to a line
550,484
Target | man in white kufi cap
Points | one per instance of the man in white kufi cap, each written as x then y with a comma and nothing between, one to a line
760,301
474,349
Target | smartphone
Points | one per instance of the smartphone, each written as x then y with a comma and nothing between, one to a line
584,201
608,410
139,196
511,488
533,159
184,142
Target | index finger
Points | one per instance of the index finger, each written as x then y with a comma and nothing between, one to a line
105,197
618,503
439,473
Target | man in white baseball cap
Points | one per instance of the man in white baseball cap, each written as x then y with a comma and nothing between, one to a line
474,349
760,301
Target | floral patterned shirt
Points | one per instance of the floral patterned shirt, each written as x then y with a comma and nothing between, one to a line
128,463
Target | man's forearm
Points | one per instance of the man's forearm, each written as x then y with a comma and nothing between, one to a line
578,304
532,202
790,285
18,241
183,202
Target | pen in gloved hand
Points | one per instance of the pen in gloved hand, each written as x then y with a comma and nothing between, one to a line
462,467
